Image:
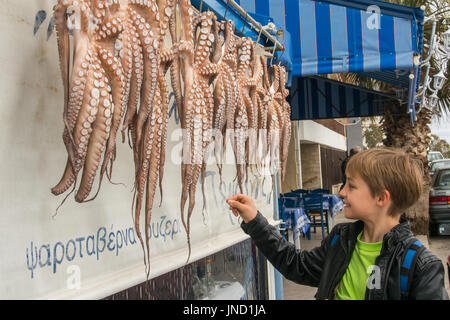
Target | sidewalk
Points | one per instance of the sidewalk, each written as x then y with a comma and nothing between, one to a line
440,246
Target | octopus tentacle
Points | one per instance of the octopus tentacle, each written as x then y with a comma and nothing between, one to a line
115,77
83,128
73,90
165,119
97,141
224,90
136,77
148,29
286,134
198,71
149,150
175,70
155,126
62,33
108,42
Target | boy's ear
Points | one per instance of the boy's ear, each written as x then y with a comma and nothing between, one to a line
384,198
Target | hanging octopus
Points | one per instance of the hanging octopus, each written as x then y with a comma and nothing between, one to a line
198,103
150,151
246,117
117,75
280,98
278,122
225,90
248,92
262,99
94,92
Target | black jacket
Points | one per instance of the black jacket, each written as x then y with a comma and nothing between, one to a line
324,266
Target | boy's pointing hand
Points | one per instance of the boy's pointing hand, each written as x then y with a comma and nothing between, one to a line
244,206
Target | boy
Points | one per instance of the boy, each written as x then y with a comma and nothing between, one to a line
363,259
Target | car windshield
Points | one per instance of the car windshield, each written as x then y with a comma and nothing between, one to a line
443,179
440,164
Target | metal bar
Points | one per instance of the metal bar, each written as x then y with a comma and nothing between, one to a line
426,62
255,24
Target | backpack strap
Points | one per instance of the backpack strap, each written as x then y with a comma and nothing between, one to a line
412,252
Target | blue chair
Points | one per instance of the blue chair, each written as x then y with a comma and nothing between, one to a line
288,200
285,202
313,205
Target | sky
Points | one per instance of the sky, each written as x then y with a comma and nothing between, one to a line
441,127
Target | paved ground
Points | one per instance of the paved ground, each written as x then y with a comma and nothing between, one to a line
292,291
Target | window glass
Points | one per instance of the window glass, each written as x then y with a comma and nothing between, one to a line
440,164
443,179
233,273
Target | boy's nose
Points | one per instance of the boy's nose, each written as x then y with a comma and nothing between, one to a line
342,193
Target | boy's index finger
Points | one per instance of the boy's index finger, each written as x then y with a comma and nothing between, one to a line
236,197
233,198
241,197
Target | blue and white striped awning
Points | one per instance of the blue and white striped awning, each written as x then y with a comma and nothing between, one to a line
370,37
321,98
333,36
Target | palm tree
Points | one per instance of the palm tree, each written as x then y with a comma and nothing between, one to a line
399,132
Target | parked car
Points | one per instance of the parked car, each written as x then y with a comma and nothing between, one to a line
438,164
440,202
434,155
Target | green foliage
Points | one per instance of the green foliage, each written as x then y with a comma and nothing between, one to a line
438,144
373,134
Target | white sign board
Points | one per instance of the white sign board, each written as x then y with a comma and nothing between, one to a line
89,250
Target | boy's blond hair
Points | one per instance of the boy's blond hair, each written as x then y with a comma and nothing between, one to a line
389,169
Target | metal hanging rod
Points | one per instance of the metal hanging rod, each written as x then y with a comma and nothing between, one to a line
255,24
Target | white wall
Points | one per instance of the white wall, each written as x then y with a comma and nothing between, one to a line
41,257
316,133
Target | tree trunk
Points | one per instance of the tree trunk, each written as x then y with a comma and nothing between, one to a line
415,140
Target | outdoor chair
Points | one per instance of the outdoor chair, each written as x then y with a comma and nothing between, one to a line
286,202
313,205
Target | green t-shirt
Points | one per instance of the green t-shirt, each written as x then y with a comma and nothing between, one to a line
354,282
